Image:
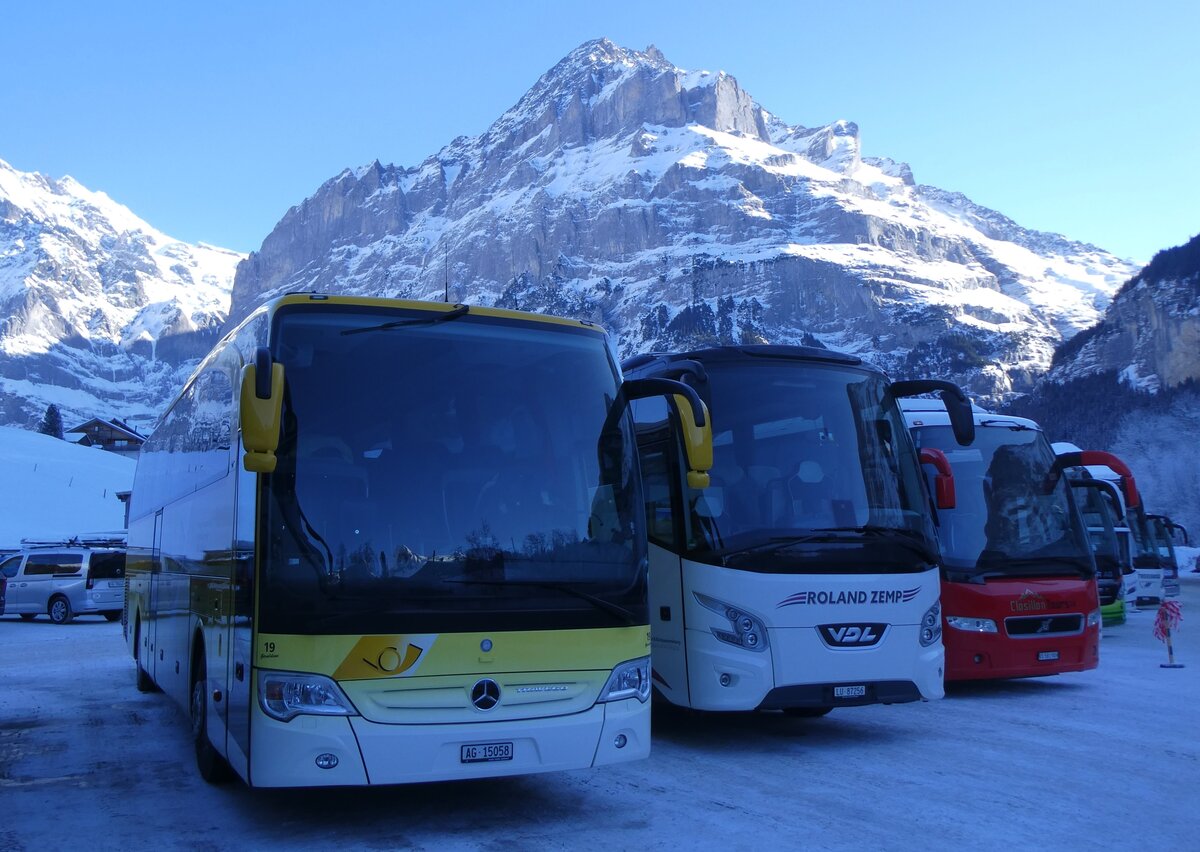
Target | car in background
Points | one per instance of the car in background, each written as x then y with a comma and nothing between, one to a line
65,579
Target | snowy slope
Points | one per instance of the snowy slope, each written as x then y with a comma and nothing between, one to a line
53,488
101,307
1099,760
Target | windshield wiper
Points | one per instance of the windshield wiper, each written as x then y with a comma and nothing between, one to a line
454,313
909,538
615,610
1029,566
1007,424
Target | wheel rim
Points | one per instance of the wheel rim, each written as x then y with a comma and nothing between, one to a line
58,610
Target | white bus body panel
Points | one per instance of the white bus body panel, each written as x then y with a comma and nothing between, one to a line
285,753
796,655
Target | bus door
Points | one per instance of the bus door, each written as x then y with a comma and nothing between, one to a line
661,488
240,621
150,645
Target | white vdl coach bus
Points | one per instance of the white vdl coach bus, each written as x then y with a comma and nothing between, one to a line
806,576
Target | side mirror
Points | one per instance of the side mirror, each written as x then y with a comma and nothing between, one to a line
958,407
943,482
261,412
695,426
1100,458
696,429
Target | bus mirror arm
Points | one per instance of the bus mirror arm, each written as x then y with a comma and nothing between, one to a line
260,412
694,422
962,420
1100,458
943,483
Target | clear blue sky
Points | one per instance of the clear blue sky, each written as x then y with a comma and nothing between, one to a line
210,120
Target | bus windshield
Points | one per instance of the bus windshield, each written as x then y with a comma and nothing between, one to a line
448,476
1145,548
813,471
1014,515
1097,509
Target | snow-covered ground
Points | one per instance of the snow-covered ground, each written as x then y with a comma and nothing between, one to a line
55,489
1106,759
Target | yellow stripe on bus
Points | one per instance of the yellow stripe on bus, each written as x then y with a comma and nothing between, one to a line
408,655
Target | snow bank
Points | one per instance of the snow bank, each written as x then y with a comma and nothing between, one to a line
54,488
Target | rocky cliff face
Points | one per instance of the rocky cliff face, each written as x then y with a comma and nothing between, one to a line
1131,383
103,314
1150,334
670,207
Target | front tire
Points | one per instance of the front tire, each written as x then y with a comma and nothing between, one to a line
209,762
60,610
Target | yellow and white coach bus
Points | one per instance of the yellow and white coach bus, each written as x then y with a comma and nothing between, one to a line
378,542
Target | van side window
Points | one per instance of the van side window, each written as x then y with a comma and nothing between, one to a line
53,563
9,566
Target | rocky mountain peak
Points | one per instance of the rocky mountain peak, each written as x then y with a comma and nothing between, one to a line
601,90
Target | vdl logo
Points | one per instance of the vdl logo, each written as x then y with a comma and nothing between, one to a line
852,635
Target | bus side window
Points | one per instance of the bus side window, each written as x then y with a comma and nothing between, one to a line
656,484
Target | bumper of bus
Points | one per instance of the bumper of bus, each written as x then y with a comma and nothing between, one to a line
286,754
983,656
798,670
1113,613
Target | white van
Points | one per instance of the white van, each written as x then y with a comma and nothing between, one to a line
63,581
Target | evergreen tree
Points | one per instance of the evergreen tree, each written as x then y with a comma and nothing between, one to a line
52,423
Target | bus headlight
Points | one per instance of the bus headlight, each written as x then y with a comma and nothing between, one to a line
285,695
931,624
746,631
628,680
1093,619
972,625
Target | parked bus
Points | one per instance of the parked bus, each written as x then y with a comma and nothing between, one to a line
1169,533
1116,495
805,578
1162,533
378,541
1099,502
1018,577
1156,576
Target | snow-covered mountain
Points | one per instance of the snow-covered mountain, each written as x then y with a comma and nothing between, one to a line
103,314
673,209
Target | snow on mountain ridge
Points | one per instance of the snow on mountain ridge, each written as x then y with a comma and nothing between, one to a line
81,275
664,202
